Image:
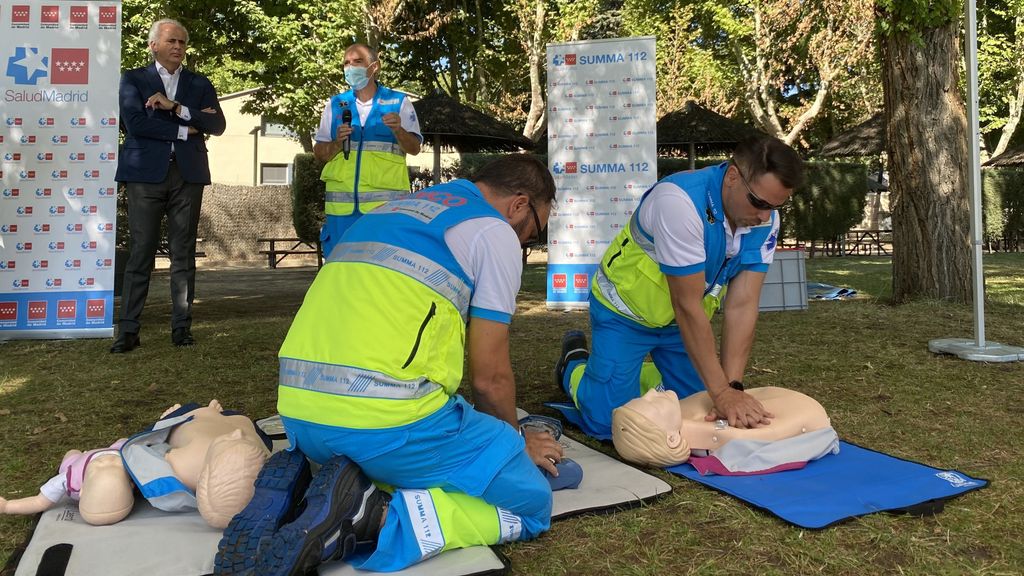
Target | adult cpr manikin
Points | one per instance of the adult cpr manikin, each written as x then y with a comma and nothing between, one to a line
658,429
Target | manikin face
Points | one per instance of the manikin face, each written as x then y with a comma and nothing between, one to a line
662,409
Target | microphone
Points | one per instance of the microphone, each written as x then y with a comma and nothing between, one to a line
346,118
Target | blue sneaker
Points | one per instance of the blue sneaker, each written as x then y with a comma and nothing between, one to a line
279,486
570,474
342,513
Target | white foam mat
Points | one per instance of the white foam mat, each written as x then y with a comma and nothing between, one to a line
155,543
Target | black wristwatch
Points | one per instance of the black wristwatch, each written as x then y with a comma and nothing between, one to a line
177,108
736,385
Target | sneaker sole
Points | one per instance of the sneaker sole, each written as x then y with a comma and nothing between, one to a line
279,485
336,493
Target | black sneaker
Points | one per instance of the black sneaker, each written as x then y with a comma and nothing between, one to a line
574,347
342,513
281,483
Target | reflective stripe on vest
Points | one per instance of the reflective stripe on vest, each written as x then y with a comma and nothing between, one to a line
611,295
630,281
375,164
355,411
365,198
349,381
379,341
389,147
409,263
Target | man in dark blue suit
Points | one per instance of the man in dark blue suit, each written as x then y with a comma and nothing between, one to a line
166,112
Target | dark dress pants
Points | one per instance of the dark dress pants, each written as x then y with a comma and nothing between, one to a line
147,203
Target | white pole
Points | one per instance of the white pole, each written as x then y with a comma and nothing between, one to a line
975,176
979,350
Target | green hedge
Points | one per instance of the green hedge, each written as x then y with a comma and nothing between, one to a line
1003,203
307,197
830,202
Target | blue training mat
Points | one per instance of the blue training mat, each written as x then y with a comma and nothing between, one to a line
855,482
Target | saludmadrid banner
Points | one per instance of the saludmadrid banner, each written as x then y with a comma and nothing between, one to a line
602,152
58,145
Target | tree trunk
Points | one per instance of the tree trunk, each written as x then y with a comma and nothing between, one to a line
926,125
536,119
1017,98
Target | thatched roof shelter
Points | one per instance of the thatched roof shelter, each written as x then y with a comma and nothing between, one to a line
865,139
1010,157
450,124
694,127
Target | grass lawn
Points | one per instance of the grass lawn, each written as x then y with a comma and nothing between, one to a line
866,361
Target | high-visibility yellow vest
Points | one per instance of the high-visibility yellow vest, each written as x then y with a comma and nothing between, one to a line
630,281
375,171
380,338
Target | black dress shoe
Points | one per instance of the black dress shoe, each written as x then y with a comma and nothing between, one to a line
182,337
126,342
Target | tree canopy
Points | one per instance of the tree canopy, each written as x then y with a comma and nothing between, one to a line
802,71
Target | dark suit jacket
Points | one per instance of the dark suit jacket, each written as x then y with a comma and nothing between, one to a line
146,152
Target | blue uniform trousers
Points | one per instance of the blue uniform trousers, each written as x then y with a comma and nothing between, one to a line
458,450
616,372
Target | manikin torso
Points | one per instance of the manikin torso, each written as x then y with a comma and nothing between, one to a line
191,443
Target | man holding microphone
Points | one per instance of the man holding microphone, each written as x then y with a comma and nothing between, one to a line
364,135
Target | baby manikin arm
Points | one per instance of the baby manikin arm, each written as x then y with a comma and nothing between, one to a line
26,506
795,413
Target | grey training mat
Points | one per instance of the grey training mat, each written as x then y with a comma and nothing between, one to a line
149,541
156,543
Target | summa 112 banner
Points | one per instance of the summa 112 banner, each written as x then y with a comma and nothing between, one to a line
602,152
58,146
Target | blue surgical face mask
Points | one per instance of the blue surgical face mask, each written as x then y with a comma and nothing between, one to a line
356,77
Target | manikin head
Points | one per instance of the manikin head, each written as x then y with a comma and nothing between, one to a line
107,492
643,430
649,429
226,480
218,455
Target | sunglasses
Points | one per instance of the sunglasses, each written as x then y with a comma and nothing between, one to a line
534,240
755,200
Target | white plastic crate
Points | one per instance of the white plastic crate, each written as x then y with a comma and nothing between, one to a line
785,284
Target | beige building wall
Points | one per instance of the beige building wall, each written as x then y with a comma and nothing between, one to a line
236,157
253,153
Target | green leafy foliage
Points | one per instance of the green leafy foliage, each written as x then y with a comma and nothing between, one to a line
912,16
830,202
307,198
1003,202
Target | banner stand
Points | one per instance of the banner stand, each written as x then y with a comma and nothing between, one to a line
60,64
602,152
